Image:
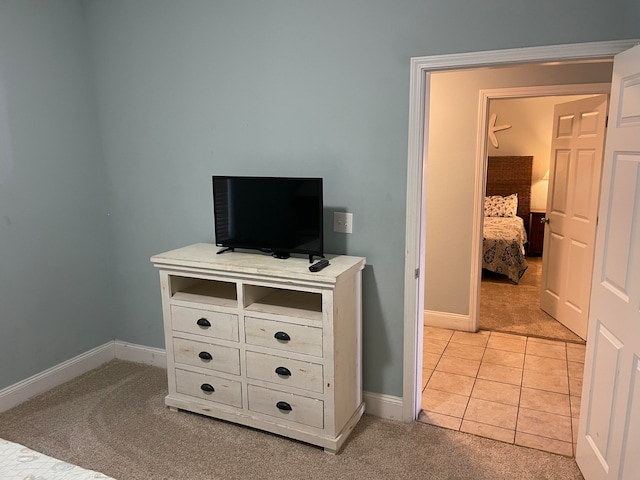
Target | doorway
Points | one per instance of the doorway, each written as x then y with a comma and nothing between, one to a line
421,70
518,389
512,304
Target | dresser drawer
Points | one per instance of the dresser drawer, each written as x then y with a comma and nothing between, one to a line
284,371
295,338
205,322
209,387
286,406
200,354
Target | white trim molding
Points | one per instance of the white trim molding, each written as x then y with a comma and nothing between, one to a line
68,370
420,69
384,406
54,376
132,352
453,321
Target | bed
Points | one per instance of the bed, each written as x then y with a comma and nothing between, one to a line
506,215
18,462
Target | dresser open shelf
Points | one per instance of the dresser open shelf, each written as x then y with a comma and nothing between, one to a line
279,301
254,340
198,290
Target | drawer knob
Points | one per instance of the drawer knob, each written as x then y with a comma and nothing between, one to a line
282,336
285,372
284,406
205,387
203,322
205,356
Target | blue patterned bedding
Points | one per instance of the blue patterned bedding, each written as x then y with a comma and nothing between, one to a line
18,462
503,246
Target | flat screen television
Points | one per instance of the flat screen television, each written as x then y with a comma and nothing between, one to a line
277,215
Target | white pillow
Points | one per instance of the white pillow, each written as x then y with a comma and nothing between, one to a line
499,206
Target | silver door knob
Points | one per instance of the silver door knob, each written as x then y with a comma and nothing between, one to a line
544,220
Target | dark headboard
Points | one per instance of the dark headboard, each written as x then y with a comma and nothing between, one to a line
507,175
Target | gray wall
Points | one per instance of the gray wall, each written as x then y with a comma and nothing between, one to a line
292,87
55,260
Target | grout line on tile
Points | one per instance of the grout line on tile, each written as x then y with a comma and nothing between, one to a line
476,379
518,406
543,436
571,415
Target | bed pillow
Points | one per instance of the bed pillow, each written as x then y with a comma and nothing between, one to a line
499,206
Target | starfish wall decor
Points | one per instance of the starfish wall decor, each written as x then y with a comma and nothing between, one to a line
493,128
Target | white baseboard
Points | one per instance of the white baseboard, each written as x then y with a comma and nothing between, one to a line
380,405
384,406
141,354
54,376
453,321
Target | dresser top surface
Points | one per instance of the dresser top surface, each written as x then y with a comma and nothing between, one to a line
205,256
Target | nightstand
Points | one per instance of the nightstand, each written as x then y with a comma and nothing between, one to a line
536,233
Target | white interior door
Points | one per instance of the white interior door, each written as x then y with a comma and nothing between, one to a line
609,432
575,167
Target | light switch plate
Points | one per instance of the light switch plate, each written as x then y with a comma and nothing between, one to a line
342,222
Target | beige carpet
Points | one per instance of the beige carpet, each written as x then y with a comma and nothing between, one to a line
506,307
113,420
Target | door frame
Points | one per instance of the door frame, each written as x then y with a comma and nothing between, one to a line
481,167
420,70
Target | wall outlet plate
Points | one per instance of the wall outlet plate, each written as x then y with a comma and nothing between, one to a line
342,222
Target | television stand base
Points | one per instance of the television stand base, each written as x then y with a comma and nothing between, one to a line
281,255
311,255
227,249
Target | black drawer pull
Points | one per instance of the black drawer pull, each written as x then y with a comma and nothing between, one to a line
285,372
205,356
282,336
205,387
284,406
203,322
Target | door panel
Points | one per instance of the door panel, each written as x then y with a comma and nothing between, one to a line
631,462
607,350
583,194
572,207
576,297
629,101
609,431
621,219
560,183
554,265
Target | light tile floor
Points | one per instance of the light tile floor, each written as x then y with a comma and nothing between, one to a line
515,389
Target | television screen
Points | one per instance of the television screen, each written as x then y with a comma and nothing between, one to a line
279,215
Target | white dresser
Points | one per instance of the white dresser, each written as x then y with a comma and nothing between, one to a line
264,342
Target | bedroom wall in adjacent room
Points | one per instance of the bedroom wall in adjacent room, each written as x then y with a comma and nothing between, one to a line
55,254
531,121
451,170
